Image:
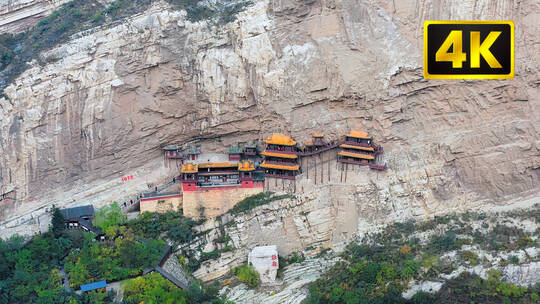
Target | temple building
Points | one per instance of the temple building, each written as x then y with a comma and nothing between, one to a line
250,149
317,145
193,152
235,153
213,183
246,170
173,152
359,149
280,157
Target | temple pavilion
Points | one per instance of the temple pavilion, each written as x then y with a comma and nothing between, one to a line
358,148
246,170
213,169
250,149
173,152
280,157
193,152
235,152
317,145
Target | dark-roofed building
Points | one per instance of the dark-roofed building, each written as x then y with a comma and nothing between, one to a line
76,213
81,217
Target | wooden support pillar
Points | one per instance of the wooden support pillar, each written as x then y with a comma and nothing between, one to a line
346,171
329,163
315,167
322,167
307,168
341,176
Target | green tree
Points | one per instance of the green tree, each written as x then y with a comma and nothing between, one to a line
58,223
153,288
247,274
109,216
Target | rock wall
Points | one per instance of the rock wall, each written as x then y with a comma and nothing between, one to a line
19,15
108,100
161,205
215,201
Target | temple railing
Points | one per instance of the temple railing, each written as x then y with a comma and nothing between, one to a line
271,162
319,150
282,176
354,162
280,151
378,167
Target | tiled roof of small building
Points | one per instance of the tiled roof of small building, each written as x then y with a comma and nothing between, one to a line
359,134
280,139
77,212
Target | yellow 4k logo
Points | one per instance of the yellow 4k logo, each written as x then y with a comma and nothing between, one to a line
457,56
468,49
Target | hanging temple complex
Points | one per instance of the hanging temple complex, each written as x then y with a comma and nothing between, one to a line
209,184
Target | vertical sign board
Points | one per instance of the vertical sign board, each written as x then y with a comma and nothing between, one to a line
468,49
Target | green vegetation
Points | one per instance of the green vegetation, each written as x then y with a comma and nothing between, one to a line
171,225
469,288
111,260
256,200
247,274
109,216
153,288
58,225
469,256
79,15
29,273
380,270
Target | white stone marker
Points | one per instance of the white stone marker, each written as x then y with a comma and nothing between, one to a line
265,260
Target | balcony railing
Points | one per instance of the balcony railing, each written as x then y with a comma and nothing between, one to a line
354,162
278,163
378,167
318,150
268,149
282,176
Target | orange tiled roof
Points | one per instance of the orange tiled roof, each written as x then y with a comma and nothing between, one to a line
246,165
217,165
356,155
272,166
277,154
318,135
280,139
190,168
356,147
359,134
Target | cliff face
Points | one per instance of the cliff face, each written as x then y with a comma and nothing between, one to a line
18,15
109,99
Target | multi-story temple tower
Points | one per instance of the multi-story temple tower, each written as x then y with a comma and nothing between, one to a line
280,157
359,149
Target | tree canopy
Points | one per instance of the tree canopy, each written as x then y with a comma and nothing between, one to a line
109,216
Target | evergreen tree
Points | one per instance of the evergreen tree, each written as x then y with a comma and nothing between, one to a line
58,222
